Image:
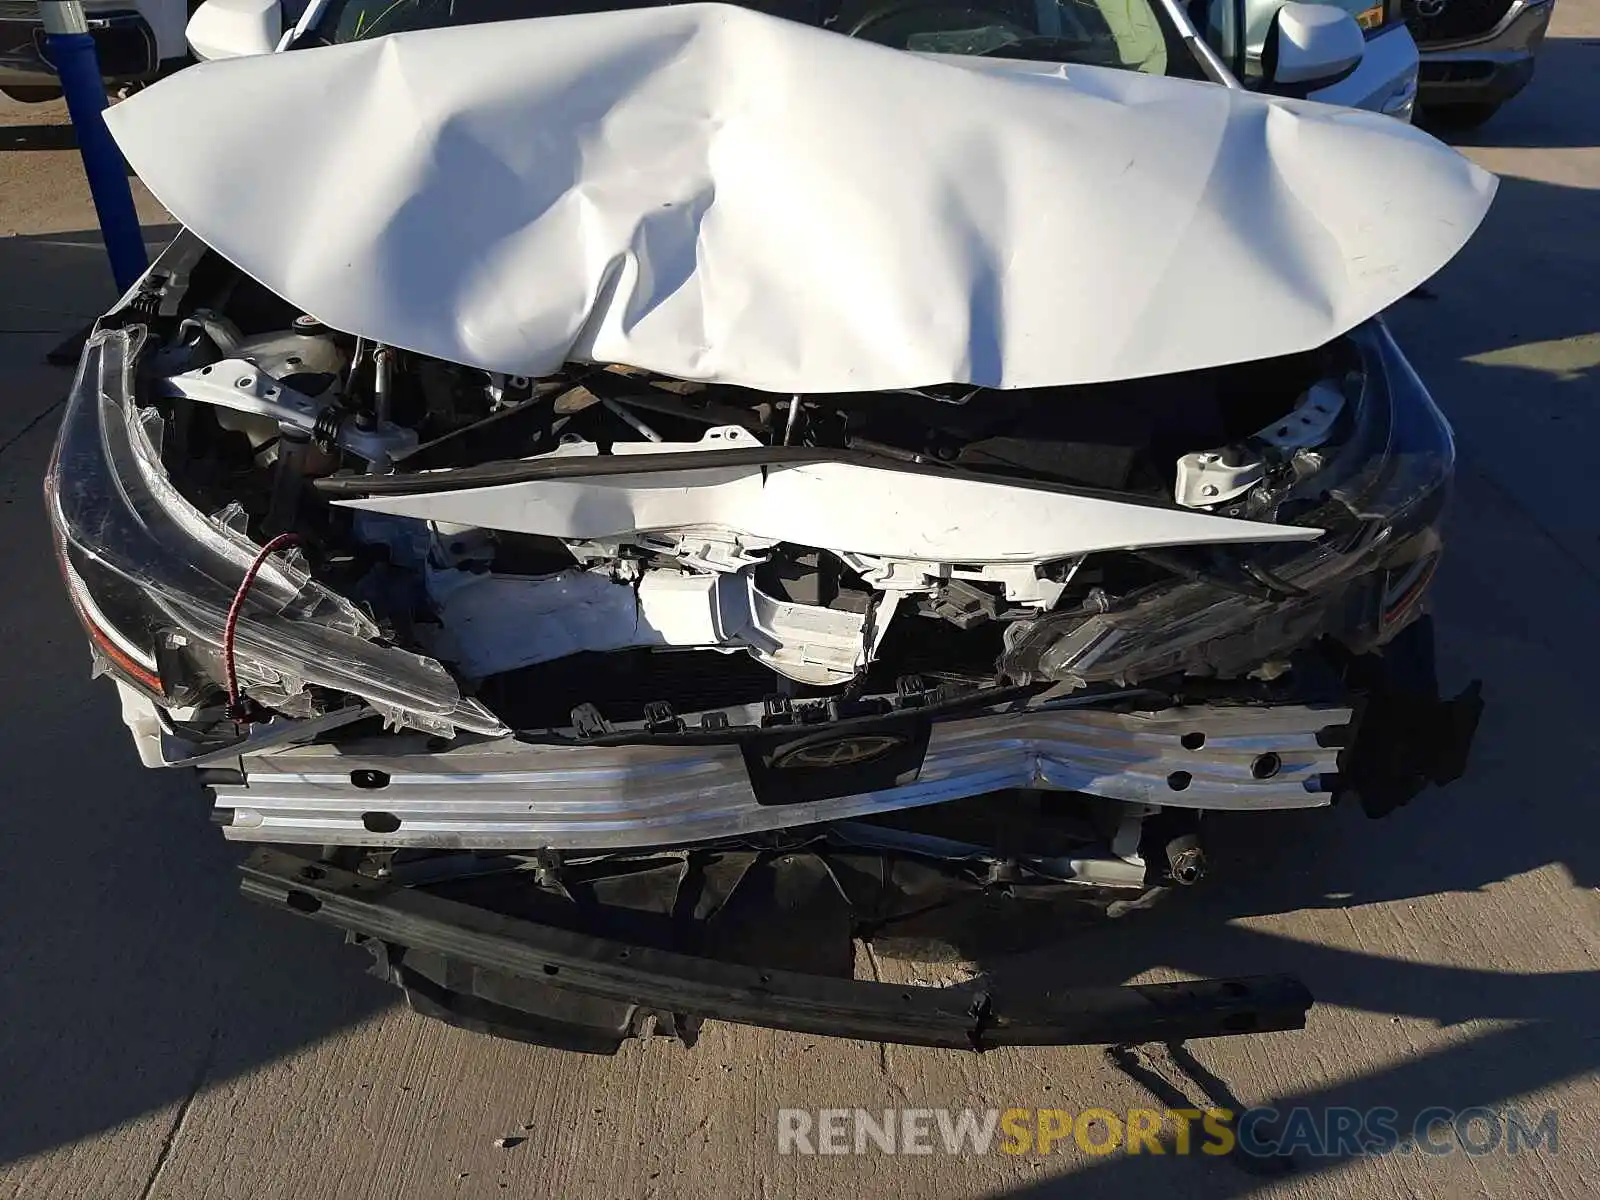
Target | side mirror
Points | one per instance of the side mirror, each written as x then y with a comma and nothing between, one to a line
234,28
1307,45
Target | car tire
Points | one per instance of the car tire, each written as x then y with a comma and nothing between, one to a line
30,94
1459,116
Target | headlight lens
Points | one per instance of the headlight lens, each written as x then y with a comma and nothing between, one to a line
120,523
115,646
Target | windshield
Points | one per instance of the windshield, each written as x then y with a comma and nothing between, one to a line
1134,35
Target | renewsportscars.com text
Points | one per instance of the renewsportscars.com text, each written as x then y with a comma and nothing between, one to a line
1337,1132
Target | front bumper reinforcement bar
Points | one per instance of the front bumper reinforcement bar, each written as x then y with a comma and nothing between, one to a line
511,795
679,989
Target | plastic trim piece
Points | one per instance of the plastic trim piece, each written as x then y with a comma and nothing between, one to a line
964,1017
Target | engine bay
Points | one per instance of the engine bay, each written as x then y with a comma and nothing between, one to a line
831,548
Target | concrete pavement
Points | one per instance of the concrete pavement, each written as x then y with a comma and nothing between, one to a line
161,1038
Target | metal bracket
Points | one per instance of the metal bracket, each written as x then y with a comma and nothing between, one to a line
244,387
1309,424
1207,477
1214,476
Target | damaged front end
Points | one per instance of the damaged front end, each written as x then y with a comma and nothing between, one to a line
474,678
612,573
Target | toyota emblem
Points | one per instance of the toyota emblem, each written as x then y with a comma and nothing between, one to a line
837,752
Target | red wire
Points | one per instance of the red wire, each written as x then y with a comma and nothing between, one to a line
236,708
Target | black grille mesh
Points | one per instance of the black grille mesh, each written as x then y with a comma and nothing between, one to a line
1452,20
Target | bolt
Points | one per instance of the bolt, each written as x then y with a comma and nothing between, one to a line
1187,860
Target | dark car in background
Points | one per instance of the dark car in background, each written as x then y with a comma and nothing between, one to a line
1476,54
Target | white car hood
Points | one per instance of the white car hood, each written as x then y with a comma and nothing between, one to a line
718,195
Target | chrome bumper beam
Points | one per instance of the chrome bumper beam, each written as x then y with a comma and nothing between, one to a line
505,794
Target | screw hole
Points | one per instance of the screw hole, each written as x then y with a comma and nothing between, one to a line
369,780
1192,741
303,902
1179,780
551,969
380,822
1266,765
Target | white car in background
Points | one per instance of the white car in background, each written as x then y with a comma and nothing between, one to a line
1385,80
1358,53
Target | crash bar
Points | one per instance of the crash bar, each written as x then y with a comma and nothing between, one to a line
969,1016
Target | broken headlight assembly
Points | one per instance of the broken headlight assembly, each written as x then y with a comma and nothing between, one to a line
154,578
1378,494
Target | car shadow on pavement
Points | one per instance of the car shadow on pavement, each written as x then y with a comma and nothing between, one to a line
57,281
1515,602
37,137
1509,345
1523,808
134,973
1482,1073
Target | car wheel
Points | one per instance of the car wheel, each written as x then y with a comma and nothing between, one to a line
29,94
1459,116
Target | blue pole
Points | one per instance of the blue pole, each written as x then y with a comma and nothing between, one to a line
73,55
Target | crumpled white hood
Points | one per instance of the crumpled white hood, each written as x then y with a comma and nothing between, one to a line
719,195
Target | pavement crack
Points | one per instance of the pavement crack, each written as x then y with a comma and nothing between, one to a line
28,428
877,976
181,1117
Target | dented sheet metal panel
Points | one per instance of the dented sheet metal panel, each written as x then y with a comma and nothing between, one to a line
720,195
512,795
